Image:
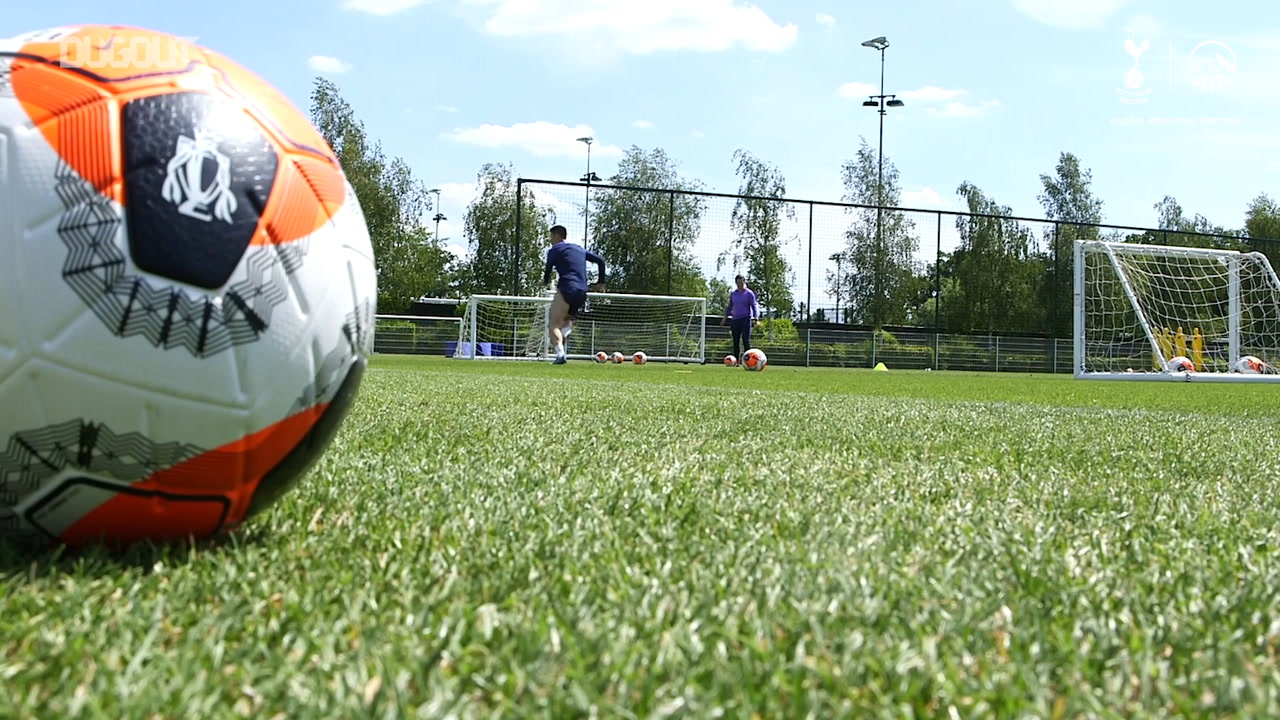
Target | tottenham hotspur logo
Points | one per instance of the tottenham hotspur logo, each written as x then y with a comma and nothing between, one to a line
184,179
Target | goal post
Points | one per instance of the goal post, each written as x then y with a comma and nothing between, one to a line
666,328
1137,307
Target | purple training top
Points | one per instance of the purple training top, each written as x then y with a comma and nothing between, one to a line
742,304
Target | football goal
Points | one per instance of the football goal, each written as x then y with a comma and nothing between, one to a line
1137,307
508,327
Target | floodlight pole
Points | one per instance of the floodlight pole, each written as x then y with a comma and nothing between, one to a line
880,102
586,208
439,215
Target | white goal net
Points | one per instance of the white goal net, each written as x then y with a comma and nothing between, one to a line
1139,307
507,327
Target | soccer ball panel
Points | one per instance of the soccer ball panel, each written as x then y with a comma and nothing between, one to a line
754,360
188,306
1250,365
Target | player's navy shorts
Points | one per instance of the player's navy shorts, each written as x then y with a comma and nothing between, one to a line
575,297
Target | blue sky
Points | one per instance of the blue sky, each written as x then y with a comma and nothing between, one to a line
994,89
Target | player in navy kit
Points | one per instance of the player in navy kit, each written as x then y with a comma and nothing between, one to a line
570,263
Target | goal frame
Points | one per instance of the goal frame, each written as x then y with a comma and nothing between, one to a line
1233,258
468,328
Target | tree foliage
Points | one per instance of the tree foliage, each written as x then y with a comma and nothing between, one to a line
490,233
646,238
1067,198
879,277
410,261
757,226
996,277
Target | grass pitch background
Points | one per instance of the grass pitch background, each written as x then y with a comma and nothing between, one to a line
490,539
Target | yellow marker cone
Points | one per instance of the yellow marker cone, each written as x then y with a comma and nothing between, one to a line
880,368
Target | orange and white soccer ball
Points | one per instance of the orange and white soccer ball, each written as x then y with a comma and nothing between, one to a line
617,358
187,293
754,359
1179,363
602,357
1250,365
730,361
639,358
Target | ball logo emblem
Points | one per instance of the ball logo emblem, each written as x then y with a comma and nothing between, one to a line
183,179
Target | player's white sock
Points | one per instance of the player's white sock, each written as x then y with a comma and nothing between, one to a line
564,332
559,351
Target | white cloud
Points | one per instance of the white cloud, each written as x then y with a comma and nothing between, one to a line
698,135
642,124
640,28
930,93
926,198
447,108
382,7
326,64
1070,14
541,138
857,90
824,19
1273,165
957,109
458,250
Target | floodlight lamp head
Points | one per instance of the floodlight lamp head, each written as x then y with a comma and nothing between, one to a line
879,43
871,103
895,103
587,140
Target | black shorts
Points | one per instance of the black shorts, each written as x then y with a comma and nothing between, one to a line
576,298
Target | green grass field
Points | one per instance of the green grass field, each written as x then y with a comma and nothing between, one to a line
521,540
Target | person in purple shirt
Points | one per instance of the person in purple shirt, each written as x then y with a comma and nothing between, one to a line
743,312
570,263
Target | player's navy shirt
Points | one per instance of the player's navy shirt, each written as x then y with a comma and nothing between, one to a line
570,263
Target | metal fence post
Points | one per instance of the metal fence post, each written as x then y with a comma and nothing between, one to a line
808,336
515,270
937,281
808,296
671,230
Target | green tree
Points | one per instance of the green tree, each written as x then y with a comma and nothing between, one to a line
1262,218
757,224
717,296
1191,231
1068,199
489,230
1262,226
410,260
646,238
879,268
996,278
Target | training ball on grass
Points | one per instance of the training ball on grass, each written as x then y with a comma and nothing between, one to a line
1250,365
754,359
617,358
730,361
639,358
187,296
1179,363
602,356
